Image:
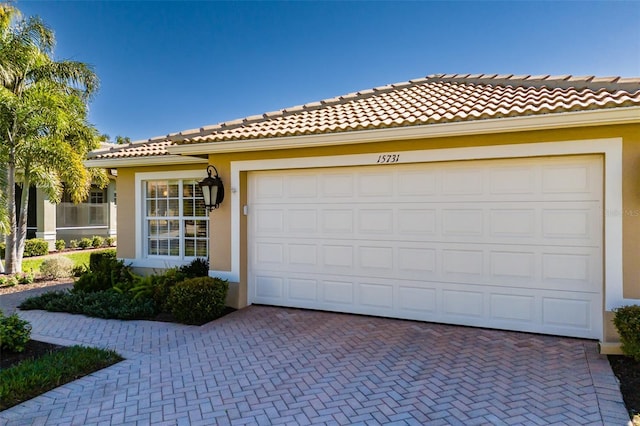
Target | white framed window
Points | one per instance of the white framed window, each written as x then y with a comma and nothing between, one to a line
97,206
173,224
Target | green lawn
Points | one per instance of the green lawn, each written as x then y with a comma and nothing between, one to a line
79,257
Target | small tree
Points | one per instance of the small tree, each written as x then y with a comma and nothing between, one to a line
44,132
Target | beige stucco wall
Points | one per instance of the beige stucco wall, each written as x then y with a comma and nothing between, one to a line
631,215
220,248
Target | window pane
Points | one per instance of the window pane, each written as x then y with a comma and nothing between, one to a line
153,228
163,247
174,228
201,248
153,246
200,210
189,248
187,190
173,189
151,208
187,206
151,189
202,227
162,190
173,208
174,247
189,228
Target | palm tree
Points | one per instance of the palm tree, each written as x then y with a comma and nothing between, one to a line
44,133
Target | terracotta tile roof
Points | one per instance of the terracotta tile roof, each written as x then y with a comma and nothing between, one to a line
436,99
152,147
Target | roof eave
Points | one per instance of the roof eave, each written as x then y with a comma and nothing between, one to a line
601,117
152,160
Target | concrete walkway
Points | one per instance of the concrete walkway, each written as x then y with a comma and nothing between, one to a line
267,365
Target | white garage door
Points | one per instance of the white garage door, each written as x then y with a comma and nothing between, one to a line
513,244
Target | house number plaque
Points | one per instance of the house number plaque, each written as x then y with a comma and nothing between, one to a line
388,158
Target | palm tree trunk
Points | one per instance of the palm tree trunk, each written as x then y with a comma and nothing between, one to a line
11,248
22,224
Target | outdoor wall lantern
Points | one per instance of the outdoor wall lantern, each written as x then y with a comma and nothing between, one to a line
212,190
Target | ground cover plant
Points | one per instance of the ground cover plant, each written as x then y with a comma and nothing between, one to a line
29,368
46,367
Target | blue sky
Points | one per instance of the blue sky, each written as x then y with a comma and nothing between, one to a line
170,66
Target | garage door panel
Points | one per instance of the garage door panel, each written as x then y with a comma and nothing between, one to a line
463,303
418,222
302,290
375,295
375,221
417,184
301,186
336,185
512,307
496,243
417,297
337,292
567,312
269,288
375,185
337,221
462,180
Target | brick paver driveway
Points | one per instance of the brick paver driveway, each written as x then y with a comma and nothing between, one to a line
267,365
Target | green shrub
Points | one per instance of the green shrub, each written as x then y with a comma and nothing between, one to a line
25,277
56,267
96,259
27,380
162,285
60,245
105,272
35,247
198,267
97,241
74,244
78,270
102,304
110,241
198,300
85,243
14,333
8,281
627,321
41,301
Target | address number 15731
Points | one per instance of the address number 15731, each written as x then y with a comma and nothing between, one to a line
388,158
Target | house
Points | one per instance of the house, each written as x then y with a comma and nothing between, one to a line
500,201
69,221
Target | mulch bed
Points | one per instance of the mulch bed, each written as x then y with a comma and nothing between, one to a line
627,371
34,349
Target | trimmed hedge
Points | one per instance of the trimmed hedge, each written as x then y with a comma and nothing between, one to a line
14,333
102,304
627,321
36,247
198,300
